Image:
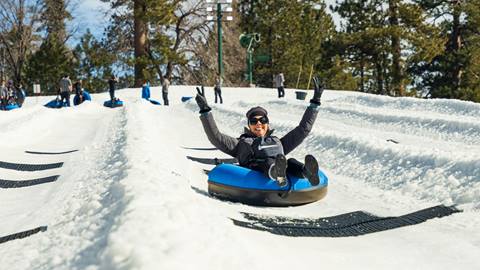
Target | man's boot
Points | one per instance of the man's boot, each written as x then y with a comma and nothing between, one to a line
278,170
310,170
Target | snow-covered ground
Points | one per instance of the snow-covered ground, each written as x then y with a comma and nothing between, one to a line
129,198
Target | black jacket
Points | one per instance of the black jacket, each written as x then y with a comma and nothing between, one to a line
248,147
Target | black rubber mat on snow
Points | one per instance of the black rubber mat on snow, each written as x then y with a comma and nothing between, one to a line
213,161
50,153
350,224
27,183
21,235
29,167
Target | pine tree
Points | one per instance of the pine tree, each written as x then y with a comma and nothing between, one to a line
363,43
454,73
292,35
94,63
53,59
385,42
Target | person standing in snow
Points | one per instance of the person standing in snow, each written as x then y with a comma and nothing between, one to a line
165,86
258,149
65,86
11,93
279,81
218,89
20,96
111,84
3,94
79,91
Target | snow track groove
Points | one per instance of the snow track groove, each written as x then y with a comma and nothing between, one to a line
441,106
79,231
112,201
440,128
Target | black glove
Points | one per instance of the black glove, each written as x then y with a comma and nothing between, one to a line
202,101
318,91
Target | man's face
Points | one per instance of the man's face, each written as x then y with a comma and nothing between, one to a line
258,125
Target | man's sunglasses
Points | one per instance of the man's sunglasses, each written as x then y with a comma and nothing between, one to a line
254,121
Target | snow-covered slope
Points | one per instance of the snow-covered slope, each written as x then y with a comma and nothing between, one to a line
130,199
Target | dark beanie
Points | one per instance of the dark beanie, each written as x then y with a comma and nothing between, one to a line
256,111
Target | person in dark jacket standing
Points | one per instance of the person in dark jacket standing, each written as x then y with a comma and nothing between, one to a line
3,94
78,91
258,149
20,97
111,84
218,89
165,86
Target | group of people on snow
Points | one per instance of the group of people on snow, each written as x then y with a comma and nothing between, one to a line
66,88
11,94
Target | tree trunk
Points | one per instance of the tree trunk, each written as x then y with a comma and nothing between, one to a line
454,46
362,74
140,39
398,86
380,79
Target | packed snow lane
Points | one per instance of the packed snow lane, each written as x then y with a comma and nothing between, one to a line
78,207
130,198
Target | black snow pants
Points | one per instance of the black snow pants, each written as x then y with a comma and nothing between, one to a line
281,91
112,94
65,96
218,92
165,98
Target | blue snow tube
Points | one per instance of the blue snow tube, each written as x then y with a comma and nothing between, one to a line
146,95
154,102
185,99
86,96
110,104
146,92
239,184
10,107
55,104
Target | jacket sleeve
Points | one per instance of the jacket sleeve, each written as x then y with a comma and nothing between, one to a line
293,138
223,142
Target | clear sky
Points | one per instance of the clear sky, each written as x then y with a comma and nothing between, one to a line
92,14
88,14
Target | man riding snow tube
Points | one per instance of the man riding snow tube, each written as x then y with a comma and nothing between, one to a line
239,184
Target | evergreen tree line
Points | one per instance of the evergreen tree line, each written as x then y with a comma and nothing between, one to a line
424,48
